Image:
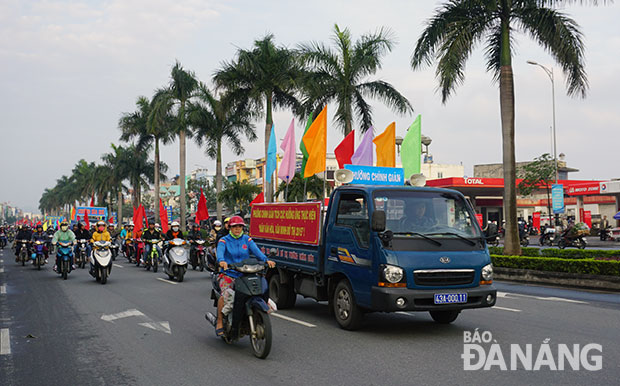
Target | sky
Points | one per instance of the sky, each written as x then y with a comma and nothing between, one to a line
71,68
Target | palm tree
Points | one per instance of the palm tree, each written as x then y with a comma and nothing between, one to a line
457,27
264,78
182,87
341,75
314,186
216,120
237,195
151,124
115,162
84,178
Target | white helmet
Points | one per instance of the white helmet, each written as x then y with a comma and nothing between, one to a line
217,223
175,224
131,223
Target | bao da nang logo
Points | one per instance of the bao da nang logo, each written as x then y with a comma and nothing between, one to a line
482,352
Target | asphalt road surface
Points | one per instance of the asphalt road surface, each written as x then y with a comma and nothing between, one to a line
140,329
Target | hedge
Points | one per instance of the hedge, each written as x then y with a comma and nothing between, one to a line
553,264
560,253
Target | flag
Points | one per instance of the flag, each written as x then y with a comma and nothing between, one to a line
258,199
363,154
111,219
163,216
77,219
146,220
86,220
202,213
92,200
315,140
386,146
137,219
411,148
45,226
302,147
271,155
135,215
287,166
72,213
345,150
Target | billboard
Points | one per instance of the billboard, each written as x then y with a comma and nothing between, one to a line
293,222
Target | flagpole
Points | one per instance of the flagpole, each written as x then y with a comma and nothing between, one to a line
305,194
286,191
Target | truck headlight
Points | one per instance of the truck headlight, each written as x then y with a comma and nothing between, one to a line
393,274
487,272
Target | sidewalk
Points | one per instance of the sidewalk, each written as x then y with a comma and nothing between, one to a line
594,242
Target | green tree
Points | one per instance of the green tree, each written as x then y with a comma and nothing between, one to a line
115,162
295,193
217,120
536,174
459,25
238,195
341,76
181,89
264,78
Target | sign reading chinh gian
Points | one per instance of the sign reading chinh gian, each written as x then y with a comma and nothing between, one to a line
292,222
375,175
93,212
557,198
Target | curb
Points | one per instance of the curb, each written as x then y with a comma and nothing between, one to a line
572,280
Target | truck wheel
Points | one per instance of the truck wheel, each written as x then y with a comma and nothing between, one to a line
281,294
444,317
348,314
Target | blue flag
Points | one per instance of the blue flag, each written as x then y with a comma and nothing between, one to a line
271,155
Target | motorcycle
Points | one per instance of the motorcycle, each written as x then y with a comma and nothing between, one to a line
10,237
524,240
139,248
493,240
577,242
101,261
115,247
64,252
23,251
38,255
3,240
547,237
175,259
152,259
129,250
82,254
606,234
250,311
211,260
197,258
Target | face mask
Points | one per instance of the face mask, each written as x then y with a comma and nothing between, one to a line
64,228
175,229
101,229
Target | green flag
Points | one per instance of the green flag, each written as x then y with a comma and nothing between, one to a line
302,146
411,148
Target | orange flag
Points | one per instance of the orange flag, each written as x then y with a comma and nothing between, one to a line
315,140
386,146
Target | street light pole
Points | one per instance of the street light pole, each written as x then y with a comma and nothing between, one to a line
549,73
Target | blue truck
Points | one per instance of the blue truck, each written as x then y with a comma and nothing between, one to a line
385,249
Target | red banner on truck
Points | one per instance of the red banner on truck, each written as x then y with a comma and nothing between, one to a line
293,222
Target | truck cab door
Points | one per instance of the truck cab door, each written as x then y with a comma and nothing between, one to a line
348,248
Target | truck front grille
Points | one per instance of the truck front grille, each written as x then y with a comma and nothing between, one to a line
442,277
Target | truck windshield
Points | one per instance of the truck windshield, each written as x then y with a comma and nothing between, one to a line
436,214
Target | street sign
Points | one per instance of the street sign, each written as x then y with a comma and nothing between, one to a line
114,217
557,198
169,212
93,212
375,175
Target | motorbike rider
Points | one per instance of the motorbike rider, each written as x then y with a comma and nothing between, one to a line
65,235
100,234
233,248
217,226
173,233
24,234
150,234
223,231
82,234
126,234
41,236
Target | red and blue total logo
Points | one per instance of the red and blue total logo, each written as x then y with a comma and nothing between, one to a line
603,187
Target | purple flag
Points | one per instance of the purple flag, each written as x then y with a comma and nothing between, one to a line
287,166
363,154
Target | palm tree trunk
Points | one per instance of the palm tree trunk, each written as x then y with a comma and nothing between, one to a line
120,205
507,100
218,178
156,192
182,176
268,124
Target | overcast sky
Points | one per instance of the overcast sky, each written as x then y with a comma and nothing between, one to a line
71,68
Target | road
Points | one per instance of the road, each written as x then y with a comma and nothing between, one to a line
593,243
140,329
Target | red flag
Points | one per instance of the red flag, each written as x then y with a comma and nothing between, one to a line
137,222
344,151
39,223
258,199
163,217
146,220
92,200
86,220
78,219
202,213
111,220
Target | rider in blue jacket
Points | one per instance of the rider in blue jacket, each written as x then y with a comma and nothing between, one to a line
233,248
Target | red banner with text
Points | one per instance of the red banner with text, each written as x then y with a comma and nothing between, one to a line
293,222
536,220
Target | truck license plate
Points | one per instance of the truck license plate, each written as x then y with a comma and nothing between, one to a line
450,298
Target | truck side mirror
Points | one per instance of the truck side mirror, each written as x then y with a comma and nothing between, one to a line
378,221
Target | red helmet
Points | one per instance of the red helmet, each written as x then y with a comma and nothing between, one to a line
236,220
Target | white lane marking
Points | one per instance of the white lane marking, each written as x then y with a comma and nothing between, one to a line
167,281
548,298
124,314
505,309
5,342
117,265
292,320
158,326
3,289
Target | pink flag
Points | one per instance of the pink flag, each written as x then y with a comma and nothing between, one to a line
287,166
363,154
